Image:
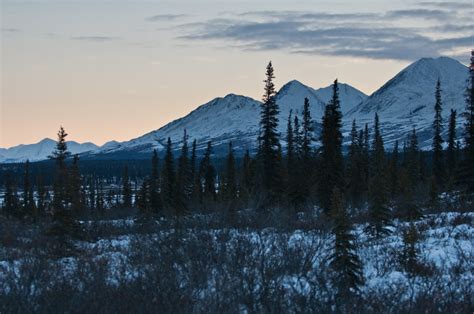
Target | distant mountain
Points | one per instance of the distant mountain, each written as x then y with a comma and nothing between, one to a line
404,102
234,118
40,150
407,100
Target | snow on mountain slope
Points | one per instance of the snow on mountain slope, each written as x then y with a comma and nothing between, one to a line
235,118
40,150
407,100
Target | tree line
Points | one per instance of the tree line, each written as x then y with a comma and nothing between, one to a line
308,172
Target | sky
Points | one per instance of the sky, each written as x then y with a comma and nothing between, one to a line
114,70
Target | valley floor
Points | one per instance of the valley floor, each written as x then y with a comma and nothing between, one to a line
128,265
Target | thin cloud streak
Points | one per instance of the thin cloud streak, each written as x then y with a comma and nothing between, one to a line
367,35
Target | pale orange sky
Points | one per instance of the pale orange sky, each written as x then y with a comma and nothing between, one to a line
107,71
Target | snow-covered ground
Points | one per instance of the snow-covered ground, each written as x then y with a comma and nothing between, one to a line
261,262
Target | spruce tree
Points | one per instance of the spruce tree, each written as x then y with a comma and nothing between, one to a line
29,206
451,151
59,155
183,178
154,182
126,189
194,175
75,184
64,224
344,260
331,165
292,164
11,205
438,165
354,170
168,178
208,175
41,192
269,144
247,181
306,166
411,179
394,171
379,213
229,187
466,173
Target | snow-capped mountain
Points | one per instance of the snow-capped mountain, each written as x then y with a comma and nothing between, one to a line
236,118
40,150
404,102
407,100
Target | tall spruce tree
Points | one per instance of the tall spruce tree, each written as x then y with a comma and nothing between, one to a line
379,213
269,143
355,169
306,171
344,260
292,164
59,155
466,173
331,170
451,151
168,178
438,164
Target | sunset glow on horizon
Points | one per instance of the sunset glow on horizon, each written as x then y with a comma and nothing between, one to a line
116,70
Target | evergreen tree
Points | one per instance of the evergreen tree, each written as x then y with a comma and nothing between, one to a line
247,184
29,206
410,254
355,175
183,180
168,178
451,151
292,163
306,169
344,260
64,224
466,173
207,173
143,198
126,189
59,155
195,180
297,137
11,205
331,166
394,171
75,184
154,182
269,143
438,165
411,179
379,213
229,187
41,192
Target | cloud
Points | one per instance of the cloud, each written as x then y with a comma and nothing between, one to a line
165,17
368,35
420,13
452,5
95,38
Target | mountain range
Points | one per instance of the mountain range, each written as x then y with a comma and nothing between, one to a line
404,102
